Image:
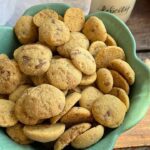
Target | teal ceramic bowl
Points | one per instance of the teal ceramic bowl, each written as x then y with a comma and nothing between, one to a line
140,91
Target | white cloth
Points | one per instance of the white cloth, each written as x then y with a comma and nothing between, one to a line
11,10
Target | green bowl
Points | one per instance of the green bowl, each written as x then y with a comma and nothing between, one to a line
140,91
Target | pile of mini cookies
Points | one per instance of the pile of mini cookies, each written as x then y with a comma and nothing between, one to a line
67,82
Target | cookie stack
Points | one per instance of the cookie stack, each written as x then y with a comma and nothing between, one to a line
67,82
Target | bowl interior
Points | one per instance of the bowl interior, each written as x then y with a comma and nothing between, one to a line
140,91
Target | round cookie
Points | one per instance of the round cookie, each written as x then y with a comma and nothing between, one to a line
76,115
43,15
119,81
33,59
88,96
124,69
44,133
3,56
121,94
106,55
54,32
21,114
104,80
16,133
95,47
109,111
71,100
44,101
110,41
88,138
94,29
10,76
70,134
77,39
74,19
25,30
37,80
83,60
15,95
7,116
88,79
63,74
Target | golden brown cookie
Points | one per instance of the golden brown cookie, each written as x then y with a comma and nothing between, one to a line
16,133
54,32
94,29
71,100
33,59
7,115
37,80
70,134
106,55
104,80
63,74
21,114
43,15
121,94
25,30
83,60
44,133
44,101
76,115
10,76
77,39
119,81
15,95
3,56
95,47
88,138
124,69
74,19
88,79
110,41
109,111
88,96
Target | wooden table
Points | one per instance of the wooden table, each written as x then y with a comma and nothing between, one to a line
139,24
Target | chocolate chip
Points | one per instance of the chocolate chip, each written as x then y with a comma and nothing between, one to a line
26,59
41,63
107,114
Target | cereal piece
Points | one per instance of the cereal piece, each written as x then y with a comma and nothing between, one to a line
10,76
3,56
44,101
106,55
21,114
61,18
70,134
95,47
74,19
37,80
43,15
16,133
71,100
121,94
54,32
83,60
88,138
76,115
88,96
77,39
15,95
110,41
124,69
44,133
94,29
119,81
104,80
7,116
25,30
88,79
63,74
33,59
109,111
